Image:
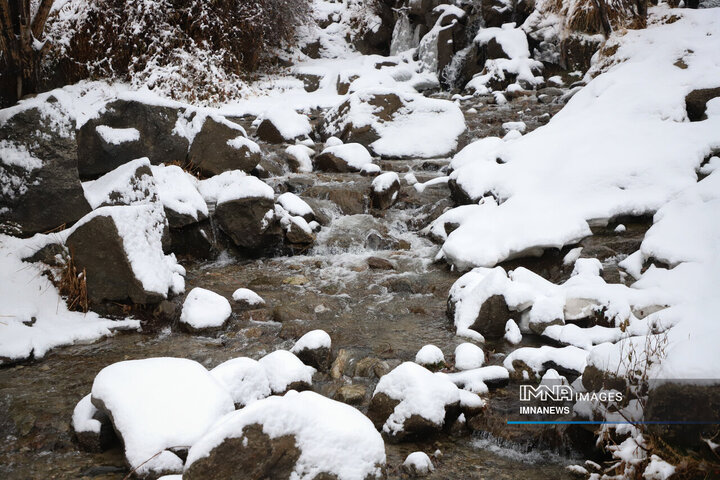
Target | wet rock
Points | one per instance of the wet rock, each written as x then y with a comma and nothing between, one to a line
370,367
696,101
93,428
384,190
129,129
349,201
46,193
417,464
299,234
221,146
193,240
496,13
341,361
351,394
491,319
577,51
313,349
377,263
244,220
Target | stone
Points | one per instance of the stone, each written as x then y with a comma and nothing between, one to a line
383,197
370,367
341,361
577,50
491,319
351,394
154,124
378,263
244,221
213,150
47,197
496,13
696,101
268,132
318,358
310,82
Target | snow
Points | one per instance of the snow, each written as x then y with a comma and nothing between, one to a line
474,380
283,369
158,403
639,103
289,123
512,332
233,185
384,181
177,191
247,296
370,168
121,187
468,356
429,355
35,318
117,136
141,229
294,205
312,340
241,142
333,142
301,154
82,418
570,358
419,391
332,437
17,155
353,154
244,378
420,462
205,309
658,469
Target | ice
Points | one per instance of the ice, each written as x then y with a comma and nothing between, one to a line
332,437
205,309
159,403
247,296
429,355
468,356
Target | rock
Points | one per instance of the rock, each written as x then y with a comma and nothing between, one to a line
306,433
491,319
139,272
194,240
93,429
430,357
343,83
384,106
370,367
180,401
338,366
310,81
204,310
245,221
129,184
468,356
129,129
299,233
417,464
351,394
285,372
313,349
411,401
496,13
43,192
384,190
244,378
377,263
696,101
246,298
349,157
221,146
577,51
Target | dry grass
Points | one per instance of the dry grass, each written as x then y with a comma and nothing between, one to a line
73,286
589,16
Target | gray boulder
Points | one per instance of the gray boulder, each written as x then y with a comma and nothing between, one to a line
221,146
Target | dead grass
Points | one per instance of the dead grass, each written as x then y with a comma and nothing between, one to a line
73,286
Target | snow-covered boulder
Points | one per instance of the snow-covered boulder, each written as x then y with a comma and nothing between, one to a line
157,404
282,125
296,206
204,310
299,435
120,249
313,349
41,188
285,371
247,298
130,128
348,157
411,400
221,146
418,464
430,357
395,124
468,356
245,379
384,190
299,157
92,427
129,184
178,193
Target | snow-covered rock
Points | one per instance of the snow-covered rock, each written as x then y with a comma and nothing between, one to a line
313,349
296,206
285,371
348,157
244,378
247,297
281,125
156,404
384,190
300,158
430,357
177,191
204,309
91,426
295,436
418,464
129,184
468,356
221,146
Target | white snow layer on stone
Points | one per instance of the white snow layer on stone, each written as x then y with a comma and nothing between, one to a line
82,418
244,378
125,188
570,358
283,369
420,462
302,156
384,181
639,103
35,317
332,437
18,155
474,380
177,191
247,296
289,123
468,356
205,309
312,340
117,136
240,141
353,154
232,185
419,391
429,355
294,204
158,403
512,332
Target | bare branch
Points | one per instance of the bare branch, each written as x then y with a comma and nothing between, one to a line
38,24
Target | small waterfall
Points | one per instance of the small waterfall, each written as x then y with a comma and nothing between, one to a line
452,73
403,37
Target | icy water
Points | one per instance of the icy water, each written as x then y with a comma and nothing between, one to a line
384,314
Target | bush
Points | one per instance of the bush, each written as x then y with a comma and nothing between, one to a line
188,49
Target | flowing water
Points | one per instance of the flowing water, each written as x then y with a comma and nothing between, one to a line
386,314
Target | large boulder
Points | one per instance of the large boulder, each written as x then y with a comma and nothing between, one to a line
282,126
349,157
491,318
158,405
129,129
299,434
41,188
129,184
221,146
411,401
120,250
